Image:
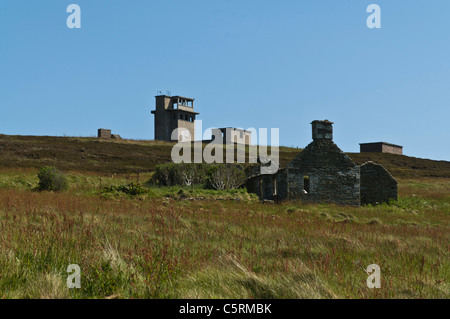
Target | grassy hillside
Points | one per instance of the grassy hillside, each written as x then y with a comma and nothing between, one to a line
131,156
405,166
166,247
175,242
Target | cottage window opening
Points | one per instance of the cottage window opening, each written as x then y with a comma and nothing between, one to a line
261,189
306,184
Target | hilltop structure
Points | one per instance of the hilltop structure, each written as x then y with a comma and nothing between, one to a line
322,173
231,135
177,112
381,147
105,134
174,112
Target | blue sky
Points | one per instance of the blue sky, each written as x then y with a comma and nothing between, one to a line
263,64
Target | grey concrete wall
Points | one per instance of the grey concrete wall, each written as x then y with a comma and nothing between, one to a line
189,126
380,148
371,148
236,136
167,119
392,149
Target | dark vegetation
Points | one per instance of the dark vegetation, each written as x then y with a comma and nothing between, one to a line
210,176
50,179
132,157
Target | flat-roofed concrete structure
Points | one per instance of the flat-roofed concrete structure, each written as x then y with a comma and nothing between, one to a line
104,134
381,147
231,135
174,112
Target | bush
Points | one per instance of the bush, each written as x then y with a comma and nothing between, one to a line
50,179
130,189
179,174
226,176
213,176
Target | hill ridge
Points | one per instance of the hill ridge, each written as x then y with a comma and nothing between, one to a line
89,154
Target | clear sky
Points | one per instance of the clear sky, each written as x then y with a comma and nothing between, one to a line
248,63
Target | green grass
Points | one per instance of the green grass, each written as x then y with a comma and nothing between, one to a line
194,243
175,242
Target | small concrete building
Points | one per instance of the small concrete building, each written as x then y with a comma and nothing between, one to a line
104,134
322,173
231,135
174,112
381,147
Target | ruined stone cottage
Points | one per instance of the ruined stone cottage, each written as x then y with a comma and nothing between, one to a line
322,173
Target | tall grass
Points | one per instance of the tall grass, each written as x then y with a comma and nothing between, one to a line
170,247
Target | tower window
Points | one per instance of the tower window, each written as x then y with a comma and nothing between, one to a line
181,116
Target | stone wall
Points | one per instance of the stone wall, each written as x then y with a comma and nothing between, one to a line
333,177
322,173
268,186
377,184
262,185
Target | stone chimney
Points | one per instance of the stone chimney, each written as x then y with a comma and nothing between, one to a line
322,130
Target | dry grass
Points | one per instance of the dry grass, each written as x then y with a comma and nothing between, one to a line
165,248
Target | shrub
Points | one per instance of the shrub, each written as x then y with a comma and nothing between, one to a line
213,176
226,176
179,174
163,175
130,189
50,179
